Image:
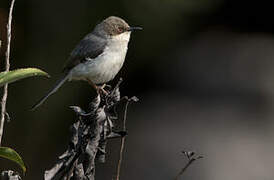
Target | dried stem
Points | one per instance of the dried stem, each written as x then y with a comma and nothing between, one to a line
123,139
191,158
5,93
184,168
122,144
90,134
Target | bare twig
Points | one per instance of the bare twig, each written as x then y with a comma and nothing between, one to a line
191,158
122,144
5,94
123,139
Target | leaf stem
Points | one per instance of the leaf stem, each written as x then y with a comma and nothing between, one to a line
5,93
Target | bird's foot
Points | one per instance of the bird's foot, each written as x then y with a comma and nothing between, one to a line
102,91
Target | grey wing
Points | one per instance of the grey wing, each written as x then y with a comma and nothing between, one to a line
90,47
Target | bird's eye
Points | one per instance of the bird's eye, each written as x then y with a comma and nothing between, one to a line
120,29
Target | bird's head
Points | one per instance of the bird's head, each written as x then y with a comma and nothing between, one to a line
113,26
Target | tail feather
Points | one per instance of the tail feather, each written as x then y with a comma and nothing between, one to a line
58,84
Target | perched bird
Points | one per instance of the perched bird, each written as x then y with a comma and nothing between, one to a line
99,55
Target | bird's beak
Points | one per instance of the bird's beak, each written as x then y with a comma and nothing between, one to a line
134,28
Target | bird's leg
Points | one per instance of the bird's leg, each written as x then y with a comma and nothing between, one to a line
98,89
92,84
102,89
103,86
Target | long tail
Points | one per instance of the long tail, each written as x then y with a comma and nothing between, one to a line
58,84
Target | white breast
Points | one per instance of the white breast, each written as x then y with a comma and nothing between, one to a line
105,67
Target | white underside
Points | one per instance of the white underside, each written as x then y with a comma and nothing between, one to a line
105,67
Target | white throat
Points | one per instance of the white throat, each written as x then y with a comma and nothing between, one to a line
124,37
119,43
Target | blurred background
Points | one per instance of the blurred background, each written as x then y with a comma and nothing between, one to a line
203,71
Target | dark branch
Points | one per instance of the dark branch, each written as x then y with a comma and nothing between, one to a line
91,132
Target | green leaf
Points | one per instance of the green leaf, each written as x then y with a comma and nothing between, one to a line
12,155
15,75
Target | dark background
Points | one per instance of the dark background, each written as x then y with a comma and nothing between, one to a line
203,71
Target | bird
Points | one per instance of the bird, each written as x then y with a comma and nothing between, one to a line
98,57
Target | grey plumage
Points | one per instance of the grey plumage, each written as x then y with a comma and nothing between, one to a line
90,47
58,84
98,57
